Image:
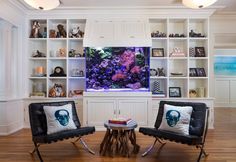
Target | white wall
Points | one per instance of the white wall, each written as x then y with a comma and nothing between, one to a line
11,67
221,26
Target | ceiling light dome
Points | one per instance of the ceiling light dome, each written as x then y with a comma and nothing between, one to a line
43,4
198,3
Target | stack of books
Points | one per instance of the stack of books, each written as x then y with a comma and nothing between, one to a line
123,121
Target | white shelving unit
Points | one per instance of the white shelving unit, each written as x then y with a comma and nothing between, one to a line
171,64
56,53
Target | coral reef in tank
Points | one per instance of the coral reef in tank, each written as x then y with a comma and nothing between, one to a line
122,68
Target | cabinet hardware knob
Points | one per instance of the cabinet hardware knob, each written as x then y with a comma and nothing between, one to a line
132,36
101,37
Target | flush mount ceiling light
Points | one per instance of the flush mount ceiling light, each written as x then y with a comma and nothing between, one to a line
43,4
198,3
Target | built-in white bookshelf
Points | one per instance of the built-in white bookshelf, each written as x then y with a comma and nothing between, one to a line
54,50
177,69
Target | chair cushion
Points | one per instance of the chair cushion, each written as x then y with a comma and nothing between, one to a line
171,136
176,119
54,137
59,118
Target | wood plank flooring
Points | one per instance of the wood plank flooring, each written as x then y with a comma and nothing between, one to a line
220,144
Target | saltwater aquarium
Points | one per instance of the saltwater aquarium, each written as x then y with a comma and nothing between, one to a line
225,65
117,69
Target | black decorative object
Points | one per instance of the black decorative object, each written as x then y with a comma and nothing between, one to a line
201,72
58,72
161,72
174,92
38,54
192,72
158,34
193,34
197,72
200,52
177,35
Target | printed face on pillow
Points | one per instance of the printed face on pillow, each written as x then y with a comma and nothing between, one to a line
62,116
172,117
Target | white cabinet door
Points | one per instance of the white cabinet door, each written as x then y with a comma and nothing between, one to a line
100,111
222,91
135,109
233,91
102,32
133,30
128,32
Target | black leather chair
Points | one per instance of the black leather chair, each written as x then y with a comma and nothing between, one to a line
38,123
197,128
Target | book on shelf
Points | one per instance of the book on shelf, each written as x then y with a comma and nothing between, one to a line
123,121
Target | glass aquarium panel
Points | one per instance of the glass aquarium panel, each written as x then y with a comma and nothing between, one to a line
225,65
117,69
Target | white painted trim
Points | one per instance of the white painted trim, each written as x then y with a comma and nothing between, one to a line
11,128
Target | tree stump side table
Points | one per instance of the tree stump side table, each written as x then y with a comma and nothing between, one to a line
117,137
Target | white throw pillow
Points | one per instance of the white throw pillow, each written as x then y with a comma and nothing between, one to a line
59,118
176,119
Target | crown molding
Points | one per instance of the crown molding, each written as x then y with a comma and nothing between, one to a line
18,4
131,11
224,15
178,11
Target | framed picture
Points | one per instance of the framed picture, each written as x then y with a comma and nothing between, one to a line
158,52
199,52
174,92
201,72
192,72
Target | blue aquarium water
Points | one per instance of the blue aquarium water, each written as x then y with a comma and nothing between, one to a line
225,65
117,69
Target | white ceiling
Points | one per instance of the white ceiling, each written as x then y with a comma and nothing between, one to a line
230,5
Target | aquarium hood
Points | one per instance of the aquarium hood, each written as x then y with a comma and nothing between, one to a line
117,33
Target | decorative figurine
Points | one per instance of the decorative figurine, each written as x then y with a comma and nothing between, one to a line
61,31
58,72
35,33
52,33
57,91
158,34
76,33
44,32
38,54
177,53
192,93
193,34
160,72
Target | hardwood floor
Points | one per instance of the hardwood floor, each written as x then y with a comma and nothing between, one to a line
220,144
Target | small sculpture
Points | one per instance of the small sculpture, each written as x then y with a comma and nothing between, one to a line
62,52
177,53
61,31
72,53
193,34
158,34
160,71
57,91
38,54
35,33
192,93
76,33
52,33
153,72
58,72
177,35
